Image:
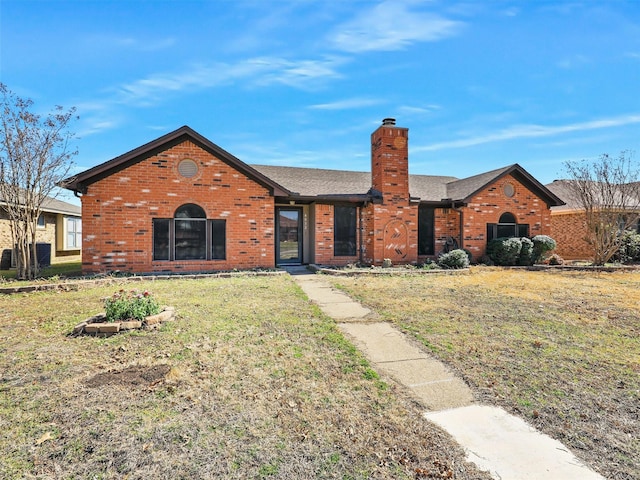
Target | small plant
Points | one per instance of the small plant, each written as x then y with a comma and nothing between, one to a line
556,259
132,305
386,263
429,265
454,259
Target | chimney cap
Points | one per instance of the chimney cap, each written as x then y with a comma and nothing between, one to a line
388,121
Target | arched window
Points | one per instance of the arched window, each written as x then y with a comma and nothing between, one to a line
507,227
190,233
189,236
507,218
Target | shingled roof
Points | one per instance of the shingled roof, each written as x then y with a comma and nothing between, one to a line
53,205
316,184
309,183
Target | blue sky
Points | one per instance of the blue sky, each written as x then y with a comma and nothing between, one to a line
480,85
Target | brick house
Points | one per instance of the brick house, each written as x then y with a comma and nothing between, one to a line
569,225
58,234
181,203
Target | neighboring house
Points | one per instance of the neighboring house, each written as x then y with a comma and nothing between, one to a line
58,234
181,203
568,225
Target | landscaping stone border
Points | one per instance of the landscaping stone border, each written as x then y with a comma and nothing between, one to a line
348,272
98,326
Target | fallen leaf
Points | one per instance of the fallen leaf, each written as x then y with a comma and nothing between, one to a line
44,438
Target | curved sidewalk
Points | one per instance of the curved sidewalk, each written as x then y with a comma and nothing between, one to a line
495,440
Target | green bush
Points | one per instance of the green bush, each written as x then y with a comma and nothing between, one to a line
629,249
526,252
132,305
454,259
541,245
504,251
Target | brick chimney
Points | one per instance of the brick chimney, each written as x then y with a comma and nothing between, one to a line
390,161
390,223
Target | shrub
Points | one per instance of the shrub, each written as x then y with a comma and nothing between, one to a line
132,305
504,251
541,245
629,250
454,259
556,259
526,252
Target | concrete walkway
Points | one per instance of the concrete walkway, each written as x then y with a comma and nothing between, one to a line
495,440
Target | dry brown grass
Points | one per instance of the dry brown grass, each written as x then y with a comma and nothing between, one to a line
251,381
560,349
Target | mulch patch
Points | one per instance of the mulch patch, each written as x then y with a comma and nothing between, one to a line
132,376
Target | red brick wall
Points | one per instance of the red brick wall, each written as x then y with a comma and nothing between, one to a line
489,204
569,230
117,213
324,237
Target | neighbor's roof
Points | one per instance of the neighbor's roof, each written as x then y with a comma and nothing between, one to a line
562,189
53,205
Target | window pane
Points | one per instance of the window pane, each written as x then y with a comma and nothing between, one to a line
191,239
74,232
344,240
523,230
426,220
507,218
506,231
491,231
190,210
161,238
218,239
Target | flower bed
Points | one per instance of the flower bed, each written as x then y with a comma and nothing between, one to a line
98,324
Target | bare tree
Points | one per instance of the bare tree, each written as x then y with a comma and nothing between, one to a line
34,157
608,190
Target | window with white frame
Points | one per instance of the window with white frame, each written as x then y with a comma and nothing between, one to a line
73,233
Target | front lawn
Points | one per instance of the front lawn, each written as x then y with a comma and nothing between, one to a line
251,381
55,271
560,349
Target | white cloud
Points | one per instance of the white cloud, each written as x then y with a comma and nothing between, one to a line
261,71
412,110
531,131
347,104
391,25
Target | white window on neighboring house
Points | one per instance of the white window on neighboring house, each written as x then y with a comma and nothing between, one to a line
41,221
69,233
74,233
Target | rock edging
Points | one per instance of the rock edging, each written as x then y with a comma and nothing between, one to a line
97,325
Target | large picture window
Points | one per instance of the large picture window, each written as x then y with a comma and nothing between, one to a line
507,227
426,229
189,236
344,231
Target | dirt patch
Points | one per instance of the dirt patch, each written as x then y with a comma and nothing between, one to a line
133,376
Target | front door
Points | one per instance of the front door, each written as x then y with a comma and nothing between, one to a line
289,235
